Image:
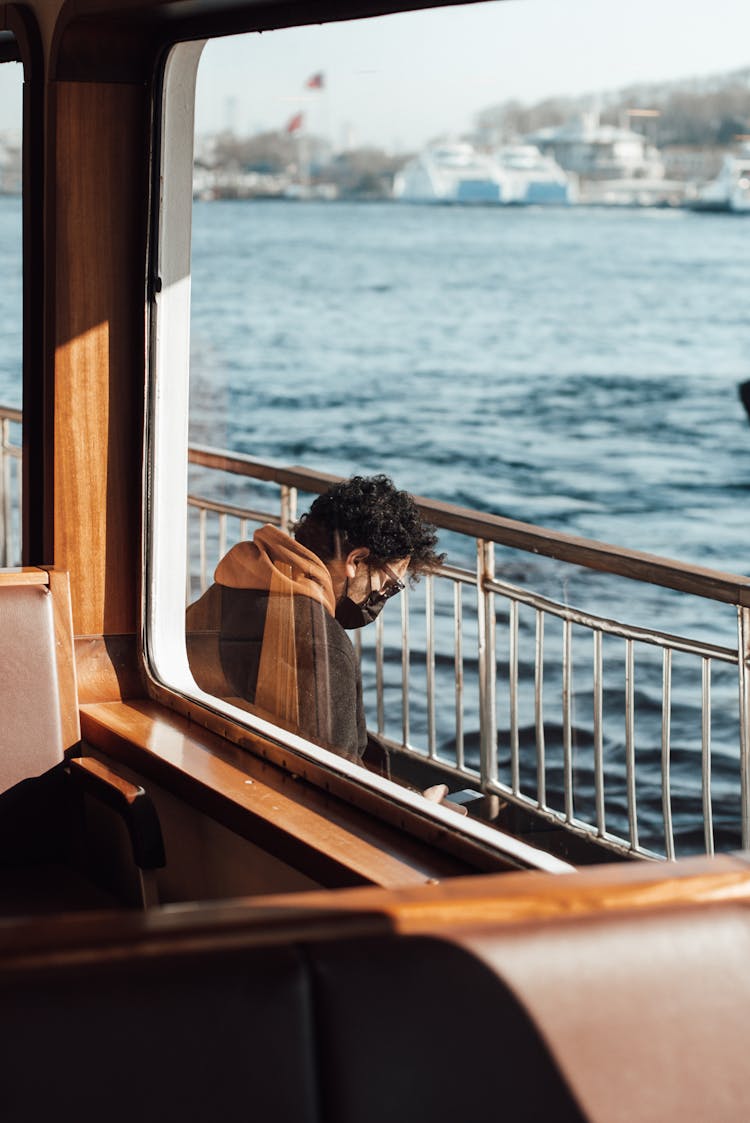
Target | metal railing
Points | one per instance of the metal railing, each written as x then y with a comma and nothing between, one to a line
10,487
635,736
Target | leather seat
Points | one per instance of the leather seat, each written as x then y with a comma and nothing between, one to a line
393,1030
46,861
419,1031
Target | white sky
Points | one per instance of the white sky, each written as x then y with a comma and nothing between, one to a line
399,80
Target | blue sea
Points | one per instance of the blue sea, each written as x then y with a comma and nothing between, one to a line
574,368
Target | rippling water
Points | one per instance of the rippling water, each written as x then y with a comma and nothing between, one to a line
573,368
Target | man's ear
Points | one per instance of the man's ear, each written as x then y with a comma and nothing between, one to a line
353,559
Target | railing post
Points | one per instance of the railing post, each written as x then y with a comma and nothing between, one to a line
405,657
429,608
487,662
202,549
666,763
288,507
743,663
379,683
567,707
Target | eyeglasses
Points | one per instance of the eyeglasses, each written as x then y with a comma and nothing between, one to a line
389,588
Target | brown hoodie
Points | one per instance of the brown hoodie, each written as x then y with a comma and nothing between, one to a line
264,633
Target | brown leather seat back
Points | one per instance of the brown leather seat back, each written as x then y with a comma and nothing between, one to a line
419,1029
223,1037
366,1030
31,740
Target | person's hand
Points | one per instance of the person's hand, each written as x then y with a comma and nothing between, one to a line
438,793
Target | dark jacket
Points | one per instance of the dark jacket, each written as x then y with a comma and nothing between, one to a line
264,636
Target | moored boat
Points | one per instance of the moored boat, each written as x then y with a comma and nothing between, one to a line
729,193
515,174
452,173
536,179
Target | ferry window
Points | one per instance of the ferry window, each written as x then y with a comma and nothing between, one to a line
11,80
512,279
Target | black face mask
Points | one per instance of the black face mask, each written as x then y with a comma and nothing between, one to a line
352,615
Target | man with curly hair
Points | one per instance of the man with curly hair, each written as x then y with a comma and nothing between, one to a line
270,633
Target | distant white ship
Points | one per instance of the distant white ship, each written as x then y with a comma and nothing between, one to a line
451,173
535,179
730,191
457,173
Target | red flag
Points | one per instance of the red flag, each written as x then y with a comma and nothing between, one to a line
316,82
295,123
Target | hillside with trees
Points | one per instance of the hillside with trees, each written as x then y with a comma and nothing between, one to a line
706,112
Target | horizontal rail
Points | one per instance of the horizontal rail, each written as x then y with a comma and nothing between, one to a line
562,694
554,683
611,627
220,508
633,564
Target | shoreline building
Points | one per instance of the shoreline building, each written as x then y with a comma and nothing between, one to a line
615,166
596,151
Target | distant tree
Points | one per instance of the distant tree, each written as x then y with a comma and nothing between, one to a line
267,153
364,172
511,118
697,111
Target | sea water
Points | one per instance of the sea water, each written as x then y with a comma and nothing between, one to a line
574,368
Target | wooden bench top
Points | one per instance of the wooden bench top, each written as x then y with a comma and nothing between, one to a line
312,830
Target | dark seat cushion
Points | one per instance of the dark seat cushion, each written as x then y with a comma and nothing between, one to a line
40,821
218,1037
418,1031
44,889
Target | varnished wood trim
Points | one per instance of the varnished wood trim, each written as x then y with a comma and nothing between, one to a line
316,833
109,668
478,904
523,898
100,175
27,575
100,771
470,851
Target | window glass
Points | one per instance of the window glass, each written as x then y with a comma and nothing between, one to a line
11,325
511,278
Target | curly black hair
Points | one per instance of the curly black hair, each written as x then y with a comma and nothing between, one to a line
369,511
